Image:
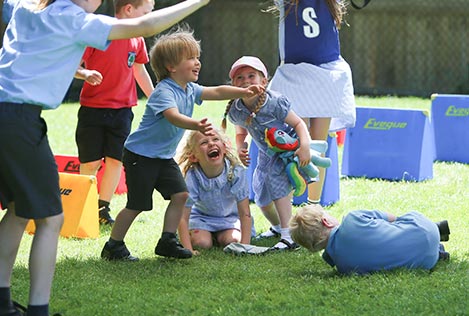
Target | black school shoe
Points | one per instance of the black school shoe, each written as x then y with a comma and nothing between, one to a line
170,247
443,227
117,253
15,309
442,253
104,216
19,310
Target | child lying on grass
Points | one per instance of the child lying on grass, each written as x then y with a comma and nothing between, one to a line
369,241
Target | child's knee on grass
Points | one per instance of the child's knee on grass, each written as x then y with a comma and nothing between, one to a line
201,239
228,236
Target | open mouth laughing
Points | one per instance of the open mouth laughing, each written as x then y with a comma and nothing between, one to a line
214,153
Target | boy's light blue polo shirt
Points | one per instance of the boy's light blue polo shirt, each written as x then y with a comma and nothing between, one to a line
366,241
156,137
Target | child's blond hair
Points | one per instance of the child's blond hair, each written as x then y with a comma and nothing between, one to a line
307,229
171,48
189,147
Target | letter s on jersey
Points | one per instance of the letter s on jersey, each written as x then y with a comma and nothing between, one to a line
312,28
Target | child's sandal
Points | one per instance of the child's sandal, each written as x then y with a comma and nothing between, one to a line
289,246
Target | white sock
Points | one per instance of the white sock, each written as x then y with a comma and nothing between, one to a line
276,228
285,234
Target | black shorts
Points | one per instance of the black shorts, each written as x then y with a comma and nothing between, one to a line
143,175
28,171
102,132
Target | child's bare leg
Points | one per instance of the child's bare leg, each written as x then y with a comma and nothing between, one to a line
110,180
115,248
124,220
11,232
90,168
201,239
318,130
270,213
168,245
43,257
174,211
108,184
284,209
228,236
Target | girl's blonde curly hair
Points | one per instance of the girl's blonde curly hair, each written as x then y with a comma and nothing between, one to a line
186,164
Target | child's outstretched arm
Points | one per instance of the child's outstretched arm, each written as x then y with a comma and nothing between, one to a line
301,130
244,213
225,92
183,121
154,22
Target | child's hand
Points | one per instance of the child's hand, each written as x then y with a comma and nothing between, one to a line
303,154
93,77
243,154
205,127
254,90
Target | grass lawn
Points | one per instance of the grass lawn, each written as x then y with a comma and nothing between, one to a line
297,283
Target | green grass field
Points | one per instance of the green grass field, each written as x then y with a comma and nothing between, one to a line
297,283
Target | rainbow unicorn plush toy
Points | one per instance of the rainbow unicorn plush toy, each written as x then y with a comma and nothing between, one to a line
280,142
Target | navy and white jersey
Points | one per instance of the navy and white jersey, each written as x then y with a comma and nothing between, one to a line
307,33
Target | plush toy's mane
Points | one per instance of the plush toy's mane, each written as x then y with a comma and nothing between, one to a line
285,145
279,141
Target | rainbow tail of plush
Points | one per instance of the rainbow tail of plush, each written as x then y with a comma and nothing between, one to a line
296,180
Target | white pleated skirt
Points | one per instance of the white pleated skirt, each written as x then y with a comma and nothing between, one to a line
318,91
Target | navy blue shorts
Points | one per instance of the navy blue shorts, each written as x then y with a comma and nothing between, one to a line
102,132
28,171
143,175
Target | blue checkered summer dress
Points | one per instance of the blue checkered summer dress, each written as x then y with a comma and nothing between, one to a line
213,201
270,181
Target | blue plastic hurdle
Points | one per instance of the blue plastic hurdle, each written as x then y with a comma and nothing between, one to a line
393,144
331,189
450,120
